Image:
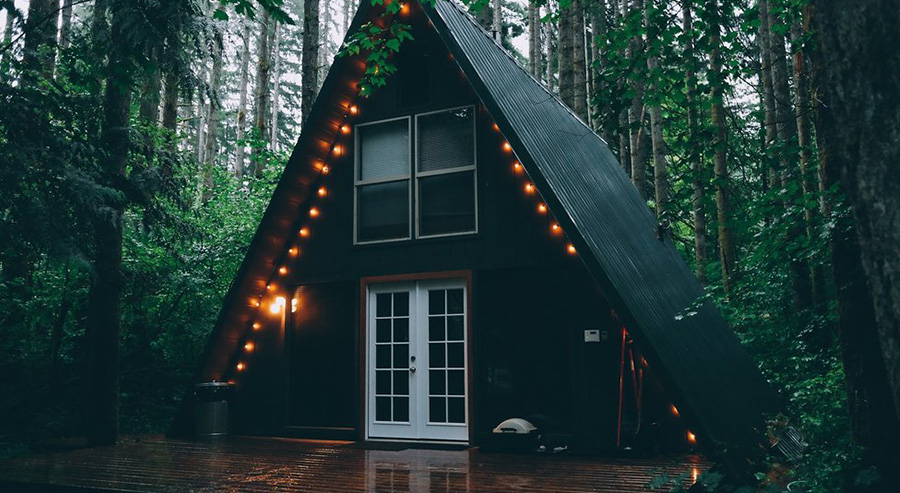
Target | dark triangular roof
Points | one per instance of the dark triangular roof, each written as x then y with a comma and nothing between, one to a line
711,377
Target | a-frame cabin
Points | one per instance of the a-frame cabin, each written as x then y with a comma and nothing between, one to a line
458,249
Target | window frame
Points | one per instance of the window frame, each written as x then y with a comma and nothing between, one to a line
417,175
358,182
413,176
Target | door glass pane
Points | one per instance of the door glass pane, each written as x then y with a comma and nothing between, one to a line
436,382
383,305
383,211
455,328
401,382
401,355
401,330
436,357
436,301
455,301
383,330
384,150
382,382
456,382
437,409
446,139
401,304
383,356
436,328
401,409
447,203
383,408
456,410
455,355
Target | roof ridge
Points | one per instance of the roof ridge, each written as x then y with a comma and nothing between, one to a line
460,7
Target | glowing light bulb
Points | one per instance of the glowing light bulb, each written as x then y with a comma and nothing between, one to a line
276,305
354,109
304,232
257,325
257,303
249,347
322,192
325,170
529,188
555,228
495,127
517,167
691,438
292,252
294,303
337,150
542,208
507,147
404,8
674,410
571,249
240,366
345,129
314,212
268,287
282,270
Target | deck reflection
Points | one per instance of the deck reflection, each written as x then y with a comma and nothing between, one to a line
252,464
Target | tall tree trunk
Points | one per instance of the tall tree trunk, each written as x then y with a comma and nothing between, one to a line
497,21
534,39
242,102
257,163
579,91
860,71
768,97
695,156
276,88
104,295
200,120
636,111
212,128
727,255
566,55
309,83
598,48
39,54
552,57
170,101
787,135
149,100
65,25
803,109
660,168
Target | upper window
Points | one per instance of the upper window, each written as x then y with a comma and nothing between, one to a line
441,178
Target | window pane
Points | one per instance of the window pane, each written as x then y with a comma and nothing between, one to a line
401,382
455,301
456,382
447,203
383,330
383,382
436,301
455,355
436,382
384,150
456,412
401,330
382,408
383,356
383,304
436,356
436,329
401,409
383,211
437,409
401,355
446,139
455,328
401,304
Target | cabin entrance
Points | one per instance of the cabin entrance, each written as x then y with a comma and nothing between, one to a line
416,360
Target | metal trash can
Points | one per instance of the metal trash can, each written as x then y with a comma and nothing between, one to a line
211,409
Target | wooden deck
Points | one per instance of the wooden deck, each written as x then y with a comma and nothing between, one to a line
152,463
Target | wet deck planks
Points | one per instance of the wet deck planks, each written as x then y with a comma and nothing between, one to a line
152,463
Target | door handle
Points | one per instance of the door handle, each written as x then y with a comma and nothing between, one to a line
412,369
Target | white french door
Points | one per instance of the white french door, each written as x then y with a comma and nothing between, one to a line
417,368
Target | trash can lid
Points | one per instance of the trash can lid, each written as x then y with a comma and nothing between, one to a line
213,391
517,426
213,384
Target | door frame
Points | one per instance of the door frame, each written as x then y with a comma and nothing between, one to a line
466,277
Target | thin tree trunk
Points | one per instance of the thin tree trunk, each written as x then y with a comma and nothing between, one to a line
242,102
660,168
552,56
768,96
309,83
694,155
803,109
104,295
6,56
860,68
257,162
566,56
58,330
276,88
212,128
636,111
497,21
170,101
598,47
579,91
200,122
149,100
65,26
727,254
534,39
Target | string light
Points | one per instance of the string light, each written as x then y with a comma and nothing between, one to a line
517,167
256,325
240,366
325,170
314,212
269,287
345,129
292,252
555,228
337,150
571,249
322,192
354,109
304,232
249,347
674,410
507,147
691,438
282,270
529,188
542,208
495,127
